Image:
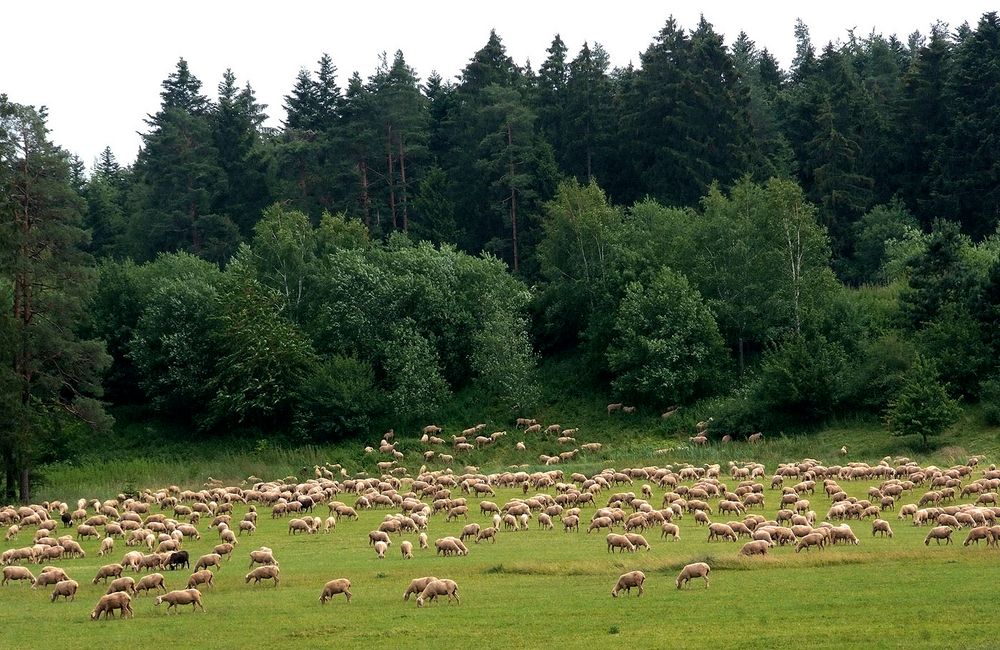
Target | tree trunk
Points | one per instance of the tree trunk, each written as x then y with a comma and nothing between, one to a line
25,485
741,356
391,178
363,168
402,178
513,198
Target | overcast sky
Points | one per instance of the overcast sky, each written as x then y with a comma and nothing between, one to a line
98,65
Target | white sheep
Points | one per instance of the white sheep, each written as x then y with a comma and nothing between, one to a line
406,548
267,572
334,587
437,588
66,589
627,581
181,597
691,571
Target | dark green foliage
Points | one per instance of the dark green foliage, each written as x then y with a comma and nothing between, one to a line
337,399
801,381
939,277
922,407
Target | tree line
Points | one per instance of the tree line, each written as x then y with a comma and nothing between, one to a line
706,225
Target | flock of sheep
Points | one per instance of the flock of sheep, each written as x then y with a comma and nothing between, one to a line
158,524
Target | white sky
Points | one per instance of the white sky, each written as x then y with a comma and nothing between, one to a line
98,65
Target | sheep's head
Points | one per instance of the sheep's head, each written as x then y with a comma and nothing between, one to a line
420,601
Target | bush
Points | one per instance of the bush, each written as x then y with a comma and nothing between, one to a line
989,396
922,406
336,400
803,380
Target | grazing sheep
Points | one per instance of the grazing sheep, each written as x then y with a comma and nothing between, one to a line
49,576
615,407
470,530
668,529
757,547
179,559
620,542
407,550
181,597
437,588
152,581
380,549
812,539
268,572
422,539
716,531
417,585
108,571
107,546
126,584
203,577
334,587
691,571
66,589
487,533
628,580
17,573
109,603
881,526
937,534
978,533
208,561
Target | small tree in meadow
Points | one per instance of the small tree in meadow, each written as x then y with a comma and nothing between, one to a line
922,406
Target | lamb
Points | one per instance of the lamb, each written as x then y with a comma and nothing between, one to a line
380,549
268,572
209,560
881,526
108,571
691,571
407,550
152,581
16,573
109,603
757,547
937,534
437,588
620,542
126,584
334,587
181,597
66,589
628,580
203,577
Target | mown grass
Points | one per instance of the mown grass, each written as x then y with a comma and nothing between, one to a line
539,588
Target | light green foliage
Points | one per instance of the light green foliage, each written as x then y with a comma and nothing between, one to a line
667,348
922,407
872,233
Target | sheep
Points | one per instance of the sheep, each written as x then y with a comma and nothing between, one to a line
691,571
668,529
16,573
107,546
49,576
757,547
437,588
207,561
615,407
637,540
715,531
417,585
571,522
126,584
380,549
334,587
628,580
881,526
620,542
268,572
109,603
329,524
181,597
108,571
812,539
598,523
406,548
937,534
178,559
487,533
152,581
976,534
422,539
66,589
298,525
446,546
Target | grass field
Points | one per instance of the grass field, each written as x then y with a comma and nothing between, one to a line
542,588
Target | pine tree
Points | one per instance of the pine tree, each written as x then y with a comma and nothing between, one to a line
587,152
50,376
550,97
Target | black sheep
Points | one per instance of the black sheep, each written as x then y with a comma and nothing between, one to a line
178,559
